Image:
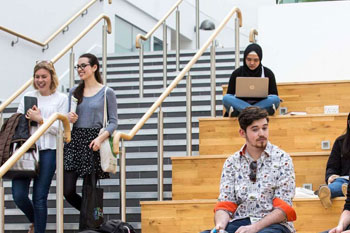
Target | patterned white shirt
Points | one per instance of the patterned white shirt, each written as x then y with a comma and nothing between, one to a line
275,178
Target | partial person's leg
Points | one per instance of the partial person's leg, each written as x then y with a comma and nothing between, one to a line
70,186
20,192
268,103
336,187
42,183
275,228
232,227
232,101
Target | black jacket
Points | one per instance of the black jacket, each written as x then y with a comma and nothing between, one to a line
337,163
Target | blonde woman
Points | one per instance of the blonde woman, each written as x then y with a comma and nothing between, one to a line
45,82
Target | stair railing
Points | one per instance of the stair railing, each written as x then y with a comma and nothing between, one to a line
252,35
59,172
139,45
120,136
63,28
59,55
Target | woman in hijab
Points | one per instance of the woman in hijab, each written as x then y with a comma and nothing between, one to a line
252,67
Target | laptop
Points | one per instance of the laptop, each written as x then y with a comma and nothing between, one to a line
252,87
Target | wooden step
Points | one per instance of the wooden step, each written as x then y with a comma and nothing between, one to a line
194,216
311,97
198,177
291,133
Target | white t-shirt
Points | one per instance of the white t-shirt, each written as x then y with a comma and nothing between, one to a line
56,102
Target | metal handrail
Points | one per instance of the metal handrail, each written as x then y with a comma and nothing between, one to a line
58,56
123,136
38,133
160,22
58,31
139,45
59,173
252,34
151,110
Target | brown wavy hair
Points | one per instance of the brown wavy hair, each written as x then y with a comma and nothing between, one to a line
251,114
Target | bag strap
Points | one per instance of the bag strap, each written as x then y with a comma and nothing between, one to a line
105,109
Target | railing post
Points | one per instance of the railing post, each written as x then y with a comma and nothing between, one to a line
212,79
165,55
189,115
197,25
141,71
237,52
2,195
71,68
160,153
177,39
122,182
104,53
59,180
2,208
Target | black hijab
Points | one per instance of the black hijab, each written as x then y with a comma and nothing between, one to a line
245,71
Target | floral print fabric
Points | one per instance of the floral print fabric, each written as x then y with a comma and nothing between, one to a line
275,178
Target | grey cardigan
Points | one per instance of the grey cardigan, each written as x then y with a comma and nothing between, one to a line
90,110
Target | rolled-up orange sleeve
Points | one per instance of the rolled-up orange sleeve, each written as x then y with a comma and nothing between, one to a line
288,210
226,205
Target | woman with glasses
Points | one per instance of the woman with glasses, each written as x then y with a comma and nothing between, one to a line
81,155
49,101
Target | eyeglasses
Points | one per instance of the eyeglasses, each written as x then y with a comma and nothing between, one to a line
253,168
81,66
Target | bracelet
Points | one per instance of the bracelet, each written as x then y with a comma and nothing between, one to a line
41,122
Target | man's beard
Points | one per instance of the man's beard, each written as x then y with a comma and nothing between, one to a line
258,143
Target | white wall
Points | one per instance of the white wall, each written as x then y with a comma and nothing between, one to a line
306,41
39,20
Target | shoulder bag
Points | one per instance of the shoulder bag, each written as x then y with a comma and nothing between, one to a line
109,161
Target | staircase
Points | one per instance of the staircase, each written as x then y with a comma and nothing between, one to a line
141,152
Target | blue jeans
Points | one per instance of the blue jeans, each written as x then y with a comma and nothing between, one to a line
238,104
36,211
232,227
335,187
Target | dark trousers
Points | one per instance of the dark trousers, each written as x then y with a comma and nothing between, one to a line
70,189
232,227
36,210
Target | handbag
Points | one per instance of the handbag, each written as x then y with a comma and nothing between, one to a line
91,213
113,226
109,161
27,166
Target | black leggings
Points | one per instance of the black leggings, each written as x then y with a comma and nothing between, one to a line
70,189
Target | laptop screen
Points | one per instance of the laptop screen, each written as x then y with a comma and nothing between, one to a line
252,87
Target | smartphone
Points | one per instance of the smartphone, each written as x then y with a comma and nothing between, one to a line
29,102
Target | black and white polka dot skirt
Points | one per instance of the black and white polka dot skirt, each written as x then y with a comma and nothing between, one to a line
79,157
